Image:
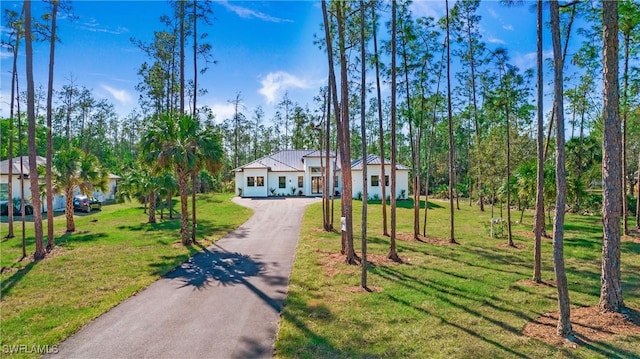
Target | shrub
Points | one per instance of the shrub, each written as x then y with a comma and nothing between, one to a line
358,196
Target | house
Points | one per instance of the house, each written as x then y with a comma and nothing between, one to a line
287,172
20,174
300,172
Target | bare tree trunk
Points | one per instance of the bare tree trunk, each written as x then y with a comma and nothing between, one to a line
50,236
343,134
638,196
564,324
182,41
625,208
363,134
452,238
33,166
195,57
509,233
611,290
383,184
393,254
14,80
539,216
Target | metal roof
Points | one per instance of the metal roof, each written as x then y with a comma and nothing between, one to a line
374,160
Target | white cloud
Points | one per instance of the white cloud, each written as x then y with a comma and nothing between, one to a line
92,25
495,40
223,111
247,13
277,82
122,96
508,27
434,9
528,60
493,13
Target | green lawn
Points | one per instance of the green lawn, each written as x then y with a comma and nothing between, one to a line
113,255
445,301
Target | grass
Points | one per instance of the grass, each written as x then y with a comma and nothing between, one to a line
445,301
113,254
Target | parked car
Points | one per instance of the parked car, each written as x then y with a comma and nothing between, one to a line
4,208
86,204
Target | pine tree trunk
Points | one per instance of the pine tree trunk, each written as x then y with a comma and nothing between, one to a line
31,116
539,215
383,185
564,324
393,254
363,134
48,179
14,79
452,238
611,290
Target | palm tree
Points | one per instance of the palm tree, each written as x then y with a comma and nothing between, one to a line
73,169
177,142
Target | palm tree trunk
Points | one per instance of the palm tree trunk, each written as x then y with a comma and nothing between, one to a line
152,207
184,211
194,224
71,226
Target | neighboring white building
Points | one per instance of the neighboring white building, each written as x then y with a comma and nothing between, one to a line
300,172
20,174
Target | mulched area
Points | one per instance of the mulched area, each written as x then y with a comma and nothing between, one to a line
589,325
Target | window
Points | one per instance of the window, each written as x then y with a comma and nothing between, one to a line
282,182
260,181
4,191
316,170
335,181
300,181
375,181
251,181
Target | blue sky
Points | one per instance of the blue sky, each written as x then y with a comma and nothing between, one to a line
262,49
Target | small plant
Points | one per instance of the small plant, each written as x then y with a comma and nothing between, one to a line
240,192
299,192
403,194
359,196
293,191
375,197
273,191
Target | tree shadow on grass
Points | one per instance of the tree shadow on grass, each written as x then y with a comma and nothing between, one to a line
69,239
15,278
405,203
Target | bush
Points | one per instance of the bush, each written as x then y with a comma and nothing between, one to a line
358,196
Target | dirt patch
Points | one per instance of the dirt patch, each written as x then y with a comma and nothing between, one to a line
358,289
515,245
331,262
8,270
589,325
530,283
634,236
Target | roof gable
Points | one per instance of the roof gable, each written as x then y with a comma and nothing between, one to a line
374,160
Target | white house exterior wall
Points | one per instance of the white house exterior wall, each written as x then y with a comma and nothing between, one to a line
402,181
291,180
255,191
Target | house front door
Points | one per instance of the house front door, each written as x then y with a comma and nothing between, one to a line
316,185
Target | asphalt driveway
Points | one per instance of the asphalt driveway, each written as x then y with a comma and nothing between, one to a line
223,303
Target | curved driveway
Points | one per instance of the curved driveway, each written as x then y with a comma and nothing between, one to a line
223,303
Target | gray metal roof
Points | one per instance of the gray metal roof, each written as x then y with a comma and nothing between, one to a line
282,161
15,161
375,160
